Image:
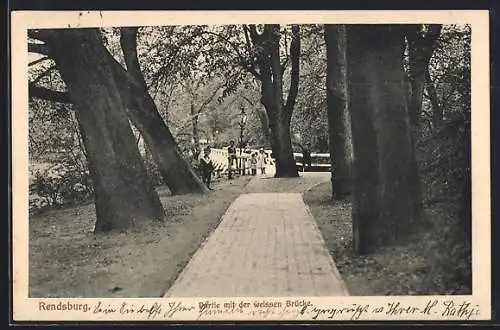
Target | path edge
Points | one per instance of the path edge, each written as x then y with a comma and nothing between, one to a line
330,258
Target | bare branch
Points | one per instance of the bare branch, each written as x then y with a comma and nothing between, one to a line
246,98
41,59
283,66
43,74
210,98
48,94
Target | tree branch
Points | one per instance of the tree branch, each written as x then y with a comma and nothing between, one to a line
38,61
38,48
48,94
188,122
169,61
43,74
283,66
210,98
187,87
247,39
128,43
246,98
294,74
242,59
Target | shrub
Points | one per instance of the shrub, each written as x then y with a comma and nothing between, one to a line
61,184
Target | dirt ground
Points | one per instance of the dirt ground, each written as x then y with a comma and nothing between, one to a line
418,267
304,182
68,260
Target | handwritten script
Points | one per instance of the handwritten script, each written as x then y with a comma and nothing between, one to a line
276,309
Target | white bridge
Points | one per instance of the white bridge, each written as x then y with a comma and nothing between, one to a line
320,161
219,157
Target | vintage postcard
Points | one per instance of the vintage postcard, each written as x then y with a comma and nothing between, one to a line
250,165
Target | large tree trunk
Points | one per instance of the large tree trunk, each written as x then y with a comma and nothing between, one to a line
179,176
281,145
123,193
278,112
338,116
383,208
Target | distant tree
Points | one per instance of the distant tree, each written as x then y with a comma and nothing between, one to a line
264,52
266,47
201,95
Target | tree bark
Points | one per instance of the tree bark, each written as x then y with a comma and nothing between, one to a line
338,116
175,170
383,208
420,48
278,112
123,193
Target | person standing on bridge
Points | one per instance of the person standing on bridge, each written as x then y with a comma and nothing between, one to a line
253,163
231,159
262,161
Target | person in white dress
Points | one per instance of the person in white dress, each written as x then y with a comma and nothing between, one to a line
262,161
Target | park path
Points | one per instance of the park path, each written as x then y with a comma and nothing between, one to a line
267,244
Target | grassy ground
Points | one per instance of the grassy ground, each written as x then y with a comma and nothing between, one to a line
68,260
417,268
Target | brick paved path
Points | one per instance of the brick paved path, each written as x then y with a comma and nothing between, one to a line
267,244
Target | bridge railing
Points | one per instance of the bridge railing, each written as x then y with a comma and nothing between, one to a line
219,157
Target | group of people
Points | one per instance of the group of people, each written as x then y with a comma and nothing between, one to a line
246,163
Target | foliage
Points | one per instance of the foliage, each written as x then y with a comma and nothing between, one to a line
445,170
310,118
449,68
59,173
61,184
